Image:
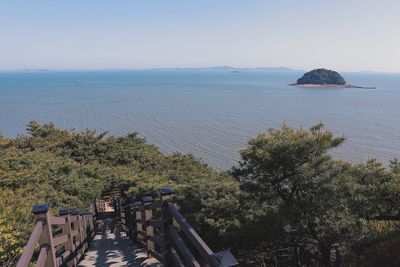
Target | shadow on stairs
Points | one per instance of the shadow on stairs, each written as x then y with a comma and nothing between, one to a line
111,247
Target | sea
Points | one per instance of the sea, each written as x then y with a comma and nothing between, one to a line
211,114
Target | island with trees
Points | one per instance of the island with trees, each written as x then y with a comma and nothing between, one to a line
324,78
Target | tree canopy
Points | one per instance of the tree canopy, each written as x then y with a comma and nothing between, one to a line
322,76
311,209
68,169
287,203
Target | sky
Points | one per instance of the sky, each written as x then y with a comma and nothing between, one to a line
345,35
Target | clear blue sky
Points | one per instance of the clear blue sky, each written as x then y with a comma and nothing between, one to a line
347,35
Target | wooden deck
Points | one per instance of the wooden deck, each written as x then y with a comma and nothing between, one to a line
111,247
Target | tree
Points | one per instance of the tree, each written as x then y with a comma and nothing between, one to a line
290,172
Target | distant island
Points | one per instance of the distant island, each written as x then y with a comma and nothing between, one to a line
324,78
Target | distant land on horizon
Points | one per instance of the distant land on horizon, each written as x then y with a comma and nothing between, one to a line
230,68
217,68
212,68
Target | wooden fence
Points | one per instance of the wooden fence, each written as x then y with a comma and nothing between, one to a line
156,224
62,240
100,205
167,235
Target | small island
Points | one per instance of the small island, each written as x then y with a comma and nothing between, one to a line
324,78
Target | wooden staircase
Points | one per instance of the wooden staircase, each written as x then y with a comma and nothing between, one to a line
144,233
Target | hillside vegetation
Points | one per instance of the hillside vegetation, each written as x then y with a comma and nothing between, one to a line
288,203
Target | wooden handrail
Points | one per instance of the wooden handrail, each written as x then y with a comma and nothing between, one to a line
194,238
30,246
176,261
190,259
57,220
60,240
42,234
42,257
162,240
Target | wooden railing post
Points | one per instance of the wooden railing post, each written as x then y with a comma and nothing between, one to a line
79,236
148,215
117,205
96,206
41,213
92,221
130,220
135,205
166,221
122,217
75,234
85,234
88,220
100,205
92,208
66,228
140,232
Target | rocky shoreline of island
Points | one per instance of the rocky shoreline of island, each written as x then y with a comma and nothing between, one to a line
314,85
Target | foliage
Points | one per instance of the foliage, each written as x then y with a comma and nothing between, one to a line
69,169
314,209
322,76
288,203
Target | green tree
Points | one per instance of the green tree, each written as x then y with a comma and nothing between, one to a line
289,174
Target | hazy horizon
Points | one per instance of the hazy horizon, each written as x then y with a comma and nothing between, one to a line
194,68
348,36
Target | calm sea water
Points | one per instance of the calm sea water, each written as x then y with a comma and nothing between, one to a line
211,114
